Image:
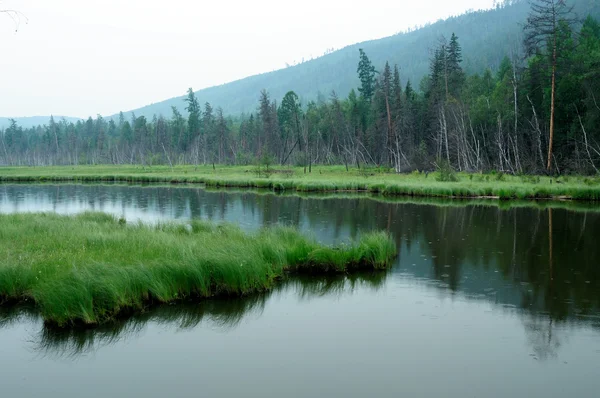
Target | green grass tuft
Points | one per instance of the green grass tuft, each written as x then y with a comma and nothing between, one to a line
92,267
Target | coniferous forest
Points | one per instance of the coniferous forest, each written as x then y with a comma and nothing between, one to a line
537,112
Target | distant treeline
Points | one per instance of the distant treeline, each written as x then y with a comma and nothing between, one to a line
536,113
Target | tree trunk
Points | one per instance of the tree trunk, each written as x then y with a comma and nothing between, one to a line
587,146
445,131
551,141
390,131
309,158
515,132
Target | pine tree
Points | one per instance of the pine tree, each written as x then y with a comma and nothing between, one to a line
126,132
456,76
101,136
251,133
354,113
289,117
366,73
264,111
408,91
396,92
208,132
222,133
193,109
437,72
387,92
54,129
178,128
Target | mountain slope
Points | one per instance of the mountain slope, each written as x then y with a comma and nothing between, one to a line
486,37
32,121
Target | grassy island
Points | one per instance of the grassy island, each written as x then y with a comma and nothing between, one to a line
90,268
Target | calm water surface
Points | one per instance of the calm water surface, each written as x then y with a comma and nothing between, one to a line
481,302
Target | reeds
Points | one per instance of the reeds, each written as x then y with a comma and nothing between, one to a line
92,267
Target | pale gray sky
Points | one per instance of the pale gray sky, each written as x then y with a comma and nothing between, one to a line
84,57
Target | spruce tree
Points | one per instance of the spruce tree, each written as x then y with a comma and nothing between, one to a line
289,117
455,74
366,74
193,109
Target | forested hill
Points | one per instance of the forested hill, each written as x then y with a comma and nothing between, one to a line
486,37
479,108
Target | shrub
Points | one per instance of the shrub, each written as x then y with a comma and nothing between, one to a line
447,173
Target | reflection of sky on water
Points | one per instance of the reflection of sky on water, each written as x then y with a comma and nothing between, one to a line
160,204
478,301
406,337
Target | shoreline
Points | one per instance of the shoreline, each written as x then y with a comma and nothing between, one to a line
325,179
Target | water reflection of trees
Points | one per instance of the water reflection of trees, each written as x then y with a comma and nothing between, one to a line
466,244
541,260
221,313
547,260
543,335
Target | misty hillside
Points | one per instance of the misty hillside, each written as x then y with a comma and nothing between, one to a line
32,121
486,37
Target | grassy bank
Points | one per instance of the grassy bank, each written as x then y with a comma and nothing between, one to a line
326,179
540,204
92,267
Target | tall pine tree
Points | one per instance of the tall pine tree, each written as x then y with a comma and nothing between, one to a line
366,74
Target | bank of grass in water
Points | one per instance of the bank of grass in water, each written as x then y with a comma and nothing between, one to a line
325,179
92,267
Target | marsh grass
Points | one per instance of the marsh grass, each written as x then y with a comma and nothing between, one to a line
91,267
326,179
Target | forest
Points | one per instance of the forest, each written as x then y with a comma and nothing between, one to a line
537,112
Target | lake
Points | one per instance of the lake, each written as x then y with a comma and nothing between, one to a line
482,301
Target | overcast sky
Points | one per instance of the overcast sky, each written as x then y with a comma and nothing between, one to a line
87,57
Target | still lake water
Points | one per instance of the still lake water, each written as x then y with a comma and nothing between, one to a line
481,302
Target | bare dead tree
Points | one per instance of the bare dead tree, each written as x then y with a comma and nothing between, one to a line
595,103
514,82
536,126
587,145
6,157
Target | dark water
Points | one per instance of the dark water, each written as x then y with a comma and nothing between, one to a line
481,302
